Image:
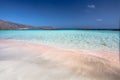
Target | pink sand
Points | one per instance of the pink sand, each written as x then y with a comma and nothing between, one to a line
91,65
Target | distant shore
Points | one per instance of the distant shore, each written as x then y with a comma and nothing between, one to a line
82,29
7,25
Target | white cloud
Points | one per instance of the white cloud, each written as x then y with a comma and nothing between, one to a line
91,6
99,19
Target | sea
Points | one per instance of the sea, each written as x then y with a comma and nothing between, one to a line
71,39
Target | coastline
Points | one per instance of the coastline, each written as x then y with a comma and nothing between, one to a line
112,56
95,65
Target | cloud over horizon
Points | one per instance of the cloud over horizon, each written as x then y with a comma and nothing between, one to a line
92,6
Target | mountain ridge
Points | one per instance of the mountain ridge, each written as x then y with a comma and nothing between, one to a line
7,25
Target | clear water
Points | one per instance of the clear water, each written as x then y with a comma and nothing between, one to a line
78,39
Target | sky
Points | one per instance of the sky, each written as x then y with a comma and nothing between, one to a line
62,13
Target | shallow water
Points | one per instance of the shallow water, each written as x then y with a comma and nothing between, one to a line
77,39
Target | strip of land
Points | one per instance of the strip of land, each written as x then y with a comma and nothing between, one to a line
21,60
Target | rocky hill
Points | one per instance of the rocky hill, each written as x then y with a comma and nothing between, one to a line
6,25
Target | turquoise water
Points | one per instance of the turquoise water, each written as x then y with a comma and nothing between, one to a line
78,39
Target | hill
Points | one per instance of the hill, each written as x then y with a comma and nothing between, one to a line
6,25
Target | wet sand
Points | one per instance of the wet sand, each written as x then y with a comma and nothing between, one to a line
21,60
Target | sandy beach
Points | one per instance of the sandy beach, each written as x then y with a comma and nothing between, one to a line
20,60
59,39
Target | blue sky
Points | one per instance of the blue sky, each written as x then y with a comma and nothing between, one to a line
62,13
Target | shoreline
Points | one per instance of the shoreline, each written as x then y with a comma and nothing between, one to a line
112,56
95,65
